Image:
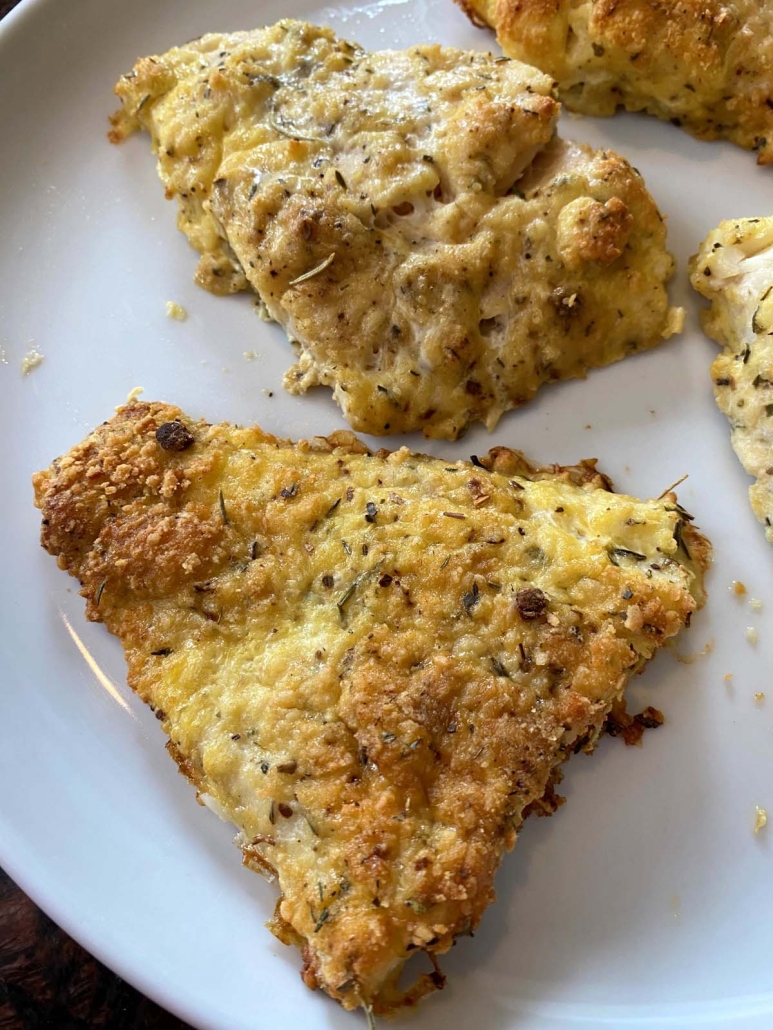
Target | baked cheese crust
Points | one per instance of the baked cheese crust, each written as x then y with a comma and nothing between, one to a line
434,252
373,664
705,65
734,270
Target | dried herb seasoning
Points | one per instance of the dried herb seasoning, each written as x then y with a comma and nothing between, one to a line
471,598
313,271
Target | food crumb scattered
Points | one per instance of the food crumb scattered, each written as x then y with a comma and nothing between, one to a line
132,395
268,393
250,355
32,359
755,603
674,322
3,358
738,588
728,677
176,311
751,635
589,426
760,818
759,697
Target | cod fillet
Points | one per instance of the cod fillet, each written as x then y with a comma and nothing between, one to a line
703,65
410,218
373,664
734,270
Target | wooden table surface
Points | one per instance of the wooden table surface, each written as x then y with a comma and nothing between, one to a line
47,981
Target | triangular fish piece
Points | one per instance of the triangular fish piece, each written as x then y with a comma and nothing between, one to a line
373,664
433,249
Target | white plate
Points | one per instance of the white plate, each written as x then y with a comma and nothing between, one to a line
647,901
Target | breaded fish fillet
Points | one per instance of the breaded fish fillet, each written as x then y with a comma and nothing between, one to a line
734,269
432,249
705,65
373,664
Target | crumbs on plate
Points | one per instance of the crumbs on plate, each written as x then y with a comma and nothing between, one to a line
760,818
31,360
176,311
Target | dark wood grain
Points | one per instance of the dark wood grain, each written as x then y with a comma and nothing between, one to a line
47,981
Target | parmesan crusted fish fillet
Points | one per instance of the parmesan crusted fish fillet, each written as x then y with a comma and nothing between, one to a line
432,249
705,65
373,664
734,270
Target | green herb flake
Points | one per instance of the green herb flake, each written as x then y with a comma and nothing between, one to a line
623,552
340,180
223,512
499,668
470,599
323,918
678,537
100,591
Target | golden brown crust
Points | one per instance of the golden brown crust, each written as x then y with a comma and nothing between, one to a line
435,252
372,664
706,65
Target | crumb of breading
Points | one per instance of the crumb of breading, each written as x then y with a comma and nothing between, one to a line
760,818
759,697
674,323
751,635
176,311
738,588
249,355
32,359
134,393
755,603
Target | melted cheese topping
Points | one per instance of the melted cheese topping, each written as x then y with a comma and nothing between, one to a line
409,217
734,269
372,664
